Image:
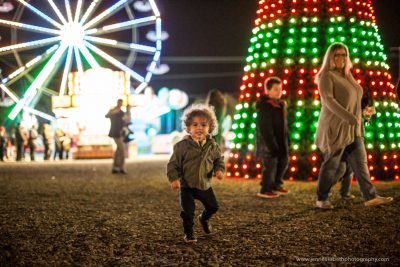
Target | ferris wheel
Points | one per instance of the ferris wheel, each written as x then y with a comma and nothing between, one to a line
51,38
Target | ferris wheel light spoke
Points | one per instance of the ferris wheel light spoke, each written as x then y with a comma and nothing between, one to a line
39,113
78,11
38,82
127,46
14,76
158,34
67,69
68,7
9,93
140,88
154,8
106,13
89,11
85,52
57,11
29,27
28,45
41,14
78,59
115,62
122,25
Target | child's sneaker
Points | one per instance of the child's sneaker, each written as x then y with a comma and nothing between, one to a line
268,195
348,197
190,238
282,191
205,225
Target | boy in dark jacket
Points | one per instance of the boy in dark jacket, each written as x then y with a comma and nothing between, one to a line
272,139
195,160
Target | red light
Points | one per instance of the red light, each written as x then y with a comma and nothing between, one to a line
293,169
384,157
249,85
259,85
313,158
258,165
246,176
270,71
248,157
284,92
385,168
369,156
228,174
252,75
294,158
258,95
236,155
301,81
262,74
237,174
235,166
302,71
358,70
231,155
316,92
285,81
291,178
314,170
395,167
395,156
309,178
397,178
300,92
372,178
244,166
371,168
286,71
259,176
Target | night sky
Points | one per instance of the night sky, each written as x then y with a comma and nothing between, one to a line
222,28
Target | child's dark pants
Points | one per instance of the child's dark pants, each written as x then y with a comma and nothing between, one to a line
187,197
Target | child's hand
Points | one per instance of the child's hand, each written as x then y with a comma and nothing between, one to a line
219,175
175,185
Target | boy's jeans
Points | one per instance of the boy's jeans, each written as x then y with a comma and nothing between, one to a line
333,163
274,168
187,197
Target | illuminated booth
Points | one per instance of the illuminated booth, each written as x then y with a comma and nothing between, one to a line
81,112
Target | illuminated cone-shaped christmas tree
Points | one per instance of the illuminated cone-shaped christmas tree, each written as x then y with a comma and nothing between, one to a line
289,41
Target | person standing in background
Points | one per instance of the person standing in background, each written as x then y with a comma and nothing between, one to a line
116,116
32,141
47,135
217,100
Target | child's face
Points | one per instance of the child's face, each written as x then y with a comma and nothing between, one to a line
275,92
199,128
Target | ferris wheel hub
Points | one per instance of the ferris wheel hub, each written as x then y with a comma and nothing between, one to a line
72,34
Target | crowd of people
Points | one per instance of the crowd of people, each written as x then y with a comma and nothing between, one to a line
19,140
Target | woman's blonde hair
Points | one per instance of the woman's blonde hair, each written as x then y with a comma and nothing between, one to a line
200,110
329,62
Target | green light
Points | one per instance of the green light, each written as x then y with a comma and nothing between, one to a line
313,147
276,31
304,30
302,50
240,135
253,125
292,20
291,30
251,147
266,44
314,29
304,40
289,51
274,51
302,60
268,34
314,40
238,146
316,102
236,117
254,115
244,115
290,41
275,41
251,136
239,106
298,124
298,114
246,105
234,126
296,136
242,125
316,113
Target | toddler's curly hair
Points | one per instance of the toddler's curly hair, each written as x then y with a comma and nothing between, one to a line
200,110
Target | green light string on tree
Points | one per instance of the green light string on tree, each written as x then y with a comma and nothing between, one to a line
289,41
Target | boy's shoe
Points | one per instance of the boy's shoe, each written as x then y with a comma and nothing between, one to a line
190,238
204,224
115,170
282,191
267,195
324,204
348,197
378,200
